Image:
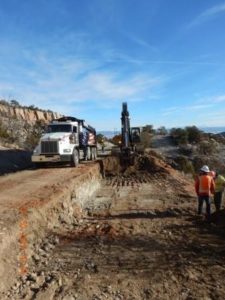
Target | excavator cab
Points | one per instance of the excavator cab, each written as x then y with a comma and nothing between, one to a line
135,135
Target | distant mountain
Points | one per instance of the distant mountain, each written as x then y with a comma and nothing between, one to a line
213,129
109,134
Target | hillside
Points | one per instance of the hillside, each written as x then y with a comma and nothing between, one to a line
190,157
21,126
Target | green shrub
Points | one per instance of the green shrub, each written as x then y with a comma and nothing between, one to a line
34,135
179,135
207,147
189,134
194,134
3,132
162,130
185,165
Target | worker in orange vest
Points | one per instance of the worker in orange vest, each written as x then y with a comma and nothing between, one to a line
204,187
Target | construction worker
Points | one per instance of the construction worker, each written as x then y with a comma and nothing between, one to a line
219,188
83,137
204,186
213,174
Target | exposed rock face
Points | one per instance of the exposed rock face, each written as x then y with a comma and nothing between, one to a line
27,114
23,126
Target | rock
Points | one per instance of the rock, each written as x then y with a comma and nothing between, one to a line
48,278
173,278
16,286
41,273
192,275
69,297
32,277
36,257
51,246
60,281
56,240
41,251
41,280
34,287
46,247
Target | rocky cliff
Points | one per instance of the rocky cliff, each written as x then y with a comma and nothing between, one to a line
22,126
28,115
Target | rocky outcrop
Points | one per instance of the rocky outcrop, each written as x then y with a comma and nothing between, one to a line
22,126
28,115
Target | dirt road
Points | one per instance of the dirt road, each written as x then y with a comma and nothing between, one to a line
136,238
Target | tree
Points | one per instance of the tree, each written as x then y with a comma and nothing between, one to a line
179,135
162,130
14,103
149,129
194,134
32,107
117,139
100,138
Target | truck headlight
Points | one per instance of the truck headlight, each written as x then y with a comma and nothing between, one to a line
66,150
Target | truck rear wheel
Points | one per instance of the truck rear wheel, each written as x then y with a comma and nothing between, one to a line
89,153
75,158
93,154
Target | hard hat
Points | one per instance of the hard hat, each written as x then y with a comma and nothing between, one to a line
205,169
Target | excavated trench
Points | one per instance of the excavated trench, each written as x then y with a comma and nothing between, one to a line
121,234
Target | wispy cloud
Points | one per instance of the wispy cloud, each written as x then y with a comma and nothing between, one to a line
218,99
181,109
213,119
170,111
197,106
213,100
207,15
76,82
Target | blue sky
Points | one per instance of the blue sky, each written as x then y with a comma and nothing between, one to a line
165,58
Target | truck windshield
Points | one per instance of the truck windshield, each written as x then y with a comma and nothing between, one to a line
59,128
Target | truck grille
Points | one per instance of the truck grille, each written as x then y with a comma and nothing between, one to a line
49,147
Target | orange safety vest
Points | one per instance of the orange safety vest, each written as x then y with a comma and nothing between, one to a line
205,184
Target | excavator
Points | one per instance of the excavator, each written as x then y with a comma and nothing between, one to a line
131,137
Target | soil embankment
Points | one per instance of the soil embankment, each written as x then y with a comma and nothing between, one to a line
32,202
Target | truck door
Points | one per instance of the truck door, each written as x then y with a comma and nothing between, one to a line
74,136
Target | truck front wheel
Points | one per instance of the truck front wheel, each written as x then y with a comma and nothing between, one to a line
75,158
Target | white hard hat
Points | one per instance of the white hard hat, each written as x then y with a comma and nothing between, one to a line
205,169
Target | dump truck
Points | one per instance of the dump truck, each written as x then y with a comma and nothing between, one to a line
66,139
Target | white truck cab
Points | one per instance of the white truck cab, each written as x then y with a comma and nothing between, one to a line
66,140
